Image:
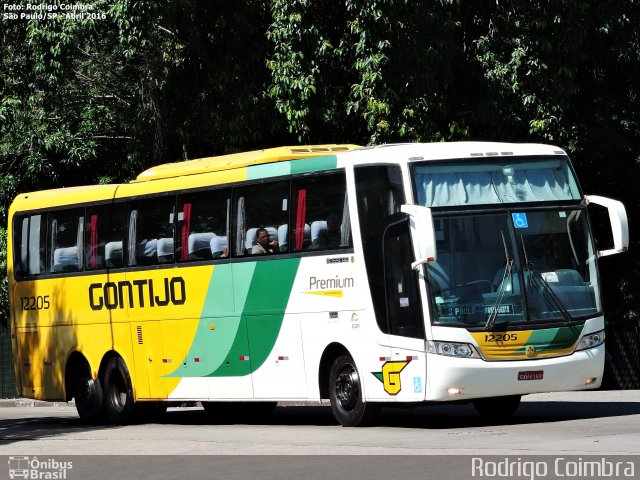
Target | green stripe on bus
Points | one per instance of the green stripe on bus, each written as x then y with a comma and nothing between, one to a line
314,164
240,341
268,297
293,167
553,338
277,169
218,326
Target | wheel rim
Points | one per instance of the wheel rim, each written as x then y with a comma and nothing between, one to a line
348,387
118,392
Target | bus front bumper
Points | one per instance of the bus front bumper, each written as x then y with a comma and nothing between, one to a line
459,379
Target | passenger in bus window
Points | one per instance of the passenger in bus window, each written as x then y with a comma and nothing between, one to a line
264,244
330,237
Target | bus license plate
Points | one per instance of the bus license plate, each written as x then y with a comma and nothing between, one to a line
531,375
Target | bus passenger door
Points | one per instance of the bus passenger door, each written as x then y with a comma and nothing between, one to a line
405,372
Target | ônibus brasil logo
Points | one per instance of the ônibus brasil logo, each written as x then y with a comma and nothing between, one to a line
33,468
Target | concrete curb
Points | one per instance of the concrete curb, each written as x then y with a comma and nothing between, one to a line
577,396
26,402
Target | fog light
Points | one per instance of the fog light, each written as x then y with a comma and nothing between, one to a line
454,391
590,380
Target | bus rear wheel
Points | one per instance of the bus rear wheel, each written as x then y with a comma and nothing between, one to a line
88,396
119,403
345,393
497,407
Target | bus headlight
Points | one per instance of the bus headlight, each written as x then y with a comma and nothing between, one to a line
452,349
591,340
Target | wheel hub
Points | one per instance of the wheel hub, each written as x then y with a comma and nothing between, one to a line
347,387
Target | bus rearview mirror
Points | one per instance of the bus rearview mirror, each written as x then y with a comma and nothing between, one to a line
422,232
618,221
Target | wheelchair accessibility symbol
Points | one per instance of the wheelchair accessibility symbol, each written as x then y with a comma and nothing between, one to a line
520,220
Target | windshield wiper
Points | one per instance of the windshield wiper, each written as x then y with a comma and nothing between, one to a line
491,320
539,281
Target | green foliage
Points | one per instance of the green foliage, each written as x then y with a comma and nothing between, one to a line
384,68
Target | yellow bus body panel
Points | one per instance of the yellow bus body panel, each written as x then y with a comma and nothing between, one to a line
152,340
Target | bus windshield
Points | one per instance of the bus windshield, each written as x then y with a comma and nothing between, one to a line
515,181
513,267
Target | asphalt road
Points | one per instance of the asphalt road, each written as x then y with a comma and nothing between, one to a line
604,425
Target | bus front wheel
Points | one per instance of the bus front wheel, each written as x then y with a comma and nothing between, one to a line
345,393
119,402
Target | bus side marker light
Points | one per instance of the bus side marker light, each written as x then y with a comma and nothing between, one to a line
244,357
412,357
166,360
212,327
385,359
283,358
197,359
590,380
454,391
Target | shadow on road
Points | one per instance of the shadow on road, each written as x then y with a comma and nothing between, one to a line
432,416
424,417
465,416
36,428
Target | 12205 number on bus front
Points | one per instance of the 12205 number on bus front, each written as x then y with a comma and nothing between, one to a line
501,337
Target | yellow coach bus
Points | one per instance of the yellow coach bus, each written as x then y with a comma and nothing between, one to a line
390,275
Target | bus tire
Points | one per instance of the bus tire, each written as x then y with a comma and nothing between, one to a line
119,403
345,394
497,407
88,397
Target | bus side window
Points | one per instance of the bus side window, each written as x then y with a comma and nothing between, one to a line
202,227
66,240
20,246
320,213
151,231
104,231
37,245
264,205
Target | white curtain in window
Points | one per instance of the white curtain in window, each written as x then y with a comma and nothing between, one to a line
440,189
473,188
